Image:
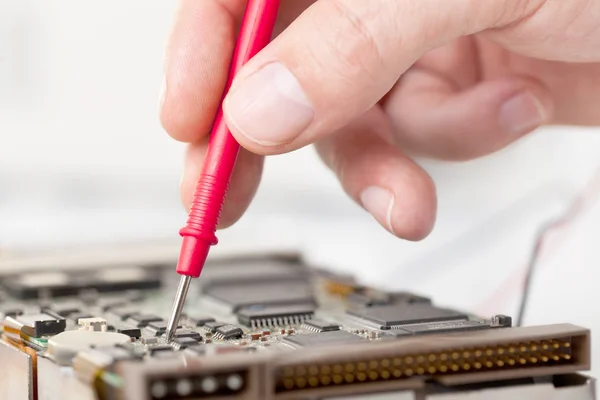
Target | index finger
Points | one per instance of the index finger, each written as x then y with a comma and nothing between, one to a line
196,65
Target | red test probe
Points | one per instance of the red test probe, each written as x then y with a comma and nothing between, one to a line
199,233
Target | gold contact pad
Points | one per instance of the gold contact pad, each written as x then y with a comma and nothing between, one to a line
515,355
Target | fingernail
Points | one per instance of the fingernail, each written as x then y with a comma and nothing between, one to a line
522,113
269,107
380,203
163,93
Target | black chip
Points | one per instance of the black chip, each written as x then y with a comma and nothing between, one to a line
213,326
142,320
404,314
445,327
157,328
323,339
185,342
187,333
264,316
130,331
229,332
43,324
160,348
319,325
199,320
283,293
198,349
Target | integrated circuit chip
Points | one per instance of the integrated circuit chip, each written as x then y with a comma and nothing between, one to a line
264,294
229,332
322,339
265,316
44,324
445,327
318,325
391,316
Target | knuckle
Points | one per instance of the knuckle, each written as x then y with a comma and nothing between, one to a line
352,40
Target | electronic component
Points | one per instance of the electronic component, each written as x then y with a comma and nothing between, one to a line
228,332
213,326
267,316
142,320
332,348
64,346
184,342
323,339
198,320
187,333
130,331
391,316
263,294
43,324
318,325
93,324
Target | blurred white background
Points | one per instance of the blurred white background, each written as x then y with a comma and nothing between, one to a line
84,158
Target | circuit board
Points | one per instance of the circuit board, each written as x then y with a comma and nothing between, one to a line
263,327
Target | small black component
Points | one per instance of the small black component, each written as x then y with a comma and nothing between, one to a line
318,325
130,331
198,349
213,326
123,312
441,327
157,328
199,320
160,348
390,316
64,309
142,320
267,316
43,324
187,333
502,321
323,339
264,294
185,342
76,316
229,332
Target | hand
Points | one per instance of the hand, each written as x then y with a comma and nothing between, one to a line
372,82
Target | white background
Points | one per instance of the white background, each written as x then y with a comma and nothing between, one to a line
83,158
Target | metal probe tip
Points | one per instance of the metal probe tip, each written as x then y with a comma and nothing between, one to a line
182,290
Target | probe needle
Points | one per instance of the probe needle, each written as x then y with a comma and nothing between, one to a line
184,284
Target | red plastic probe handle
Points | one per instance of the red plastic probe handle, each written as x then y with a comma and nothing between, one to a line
199,233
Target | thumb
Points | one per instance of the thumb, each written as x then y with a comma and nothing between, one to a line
339,58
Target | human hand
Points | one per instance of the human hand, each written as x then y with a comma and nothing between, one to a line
374,82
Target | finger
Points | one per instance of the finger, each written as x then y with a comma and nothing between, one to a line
339,58
244,181
390,186
432,117
196,65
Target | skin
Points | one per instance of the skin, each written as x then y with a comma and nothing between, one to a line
388,80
